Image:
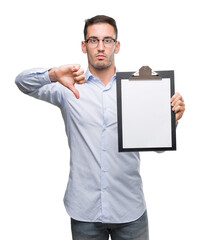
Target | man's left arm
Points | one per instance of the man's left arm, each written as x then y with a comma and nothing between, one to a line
178,105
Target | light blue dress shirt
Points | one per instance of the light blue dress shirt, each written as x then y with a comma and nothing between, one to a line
104,185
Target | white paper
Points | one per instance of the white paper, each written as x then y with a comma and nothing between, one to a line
146,113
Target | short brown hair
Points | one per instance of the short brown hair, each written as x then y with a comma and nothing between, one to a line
100,19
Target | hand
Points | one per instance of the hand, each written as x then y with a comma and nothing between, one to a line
178,105
68,75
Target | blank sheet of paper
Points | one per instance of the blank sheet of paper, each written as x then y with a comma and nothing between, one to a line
146,113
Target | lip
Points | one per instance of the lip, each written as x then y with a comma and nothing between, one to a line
100,56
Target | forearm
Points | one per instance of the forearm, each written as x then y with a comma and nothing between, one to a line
36,83
51,85
31,80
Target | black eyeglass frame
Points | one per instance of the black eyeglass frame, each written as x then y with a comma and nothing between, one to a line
103,40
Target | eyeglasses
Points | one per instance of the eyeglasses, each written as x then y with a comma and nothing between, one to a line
108,42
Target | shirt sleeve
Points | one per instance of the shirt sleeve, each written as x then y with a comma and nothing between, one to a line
36,83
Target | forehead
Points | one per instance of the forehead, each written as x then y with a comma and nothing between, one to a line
100,30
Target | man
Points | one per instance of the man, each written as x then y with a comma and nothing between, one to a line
104,195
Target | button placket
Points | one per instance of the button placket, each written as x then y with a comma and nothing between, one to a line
104,157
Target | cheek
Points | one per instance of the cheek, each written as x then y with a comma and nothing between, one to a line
111,53
89,52
89,55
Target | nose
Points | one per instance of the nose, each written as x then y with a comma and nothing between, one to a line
100,46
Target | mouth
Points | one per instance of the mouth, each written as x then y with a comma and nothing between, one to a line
100,56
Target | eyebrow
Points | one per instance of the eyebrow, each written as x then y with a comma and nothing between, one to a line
97,37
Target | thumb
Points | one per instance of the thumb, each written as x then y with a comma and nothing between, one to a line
75,91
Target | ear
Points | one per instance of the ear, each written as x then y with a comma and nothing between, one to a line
117,47
83,46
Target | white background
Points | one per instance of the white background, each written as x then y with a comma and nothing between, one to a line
34,156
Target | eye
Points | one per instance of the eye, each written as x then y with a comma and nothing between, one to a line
108,40
93,40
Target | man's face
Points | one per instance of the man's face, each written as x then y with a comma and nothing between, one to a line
100,57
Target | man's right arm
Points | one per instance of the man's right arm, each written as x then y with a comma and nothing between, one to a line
40,83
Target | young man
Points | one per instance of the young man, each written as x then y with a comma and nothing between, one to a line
104,195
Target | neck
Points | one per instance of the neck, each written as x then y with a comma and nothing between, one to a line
104,75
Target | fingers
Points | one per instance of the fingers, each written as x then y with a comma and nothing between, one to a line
178,109
179,116
176,97
177,100
79,78
78,74
178,105
75,68
69,75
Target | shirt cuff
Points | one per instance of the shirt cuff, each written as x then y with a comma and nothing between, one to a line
43,75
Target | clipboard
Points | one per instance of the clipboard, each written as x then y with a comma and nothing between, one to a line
146,121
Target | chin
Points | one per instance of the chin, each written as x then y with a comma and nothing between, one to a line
101,66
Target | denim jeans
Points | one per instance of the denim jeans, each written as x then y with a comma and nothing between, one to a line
136,230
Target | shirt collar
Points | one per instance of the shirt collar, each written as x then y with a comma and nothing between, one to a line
89,75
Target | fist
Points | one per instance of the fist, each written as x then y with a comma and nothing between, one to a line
68,75
178,105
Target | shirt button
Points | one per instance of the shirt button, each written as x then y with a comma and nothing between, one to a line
103,190
104,149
